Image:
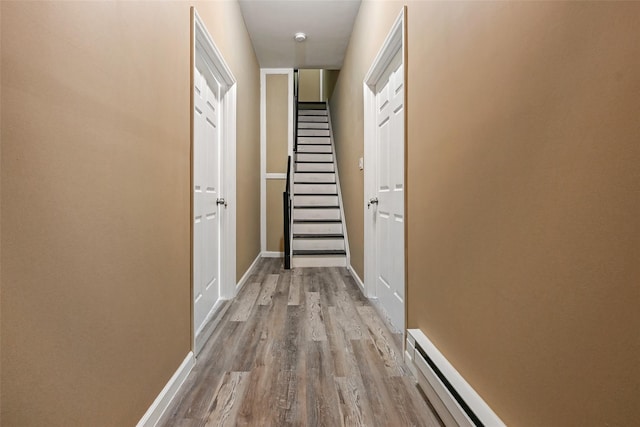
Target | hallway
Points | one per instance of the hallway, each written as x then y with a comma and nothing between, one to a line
300,347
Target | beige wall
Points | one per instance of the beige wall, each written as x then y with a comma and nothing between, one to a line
277,127
523,204
329,79
96,194
275,227
523,186
308,85
277,109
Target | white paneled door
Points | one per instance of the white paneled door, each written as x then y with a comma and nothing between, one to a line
206,189
389,209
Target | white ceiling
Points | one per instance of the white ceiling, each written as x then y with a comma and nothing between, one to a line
327,23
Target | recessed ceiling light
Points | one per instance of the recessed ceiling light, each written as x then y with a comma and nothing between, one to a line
299,37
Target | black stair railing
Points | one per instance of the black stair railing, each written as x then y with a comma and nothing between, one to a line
296,77
286,205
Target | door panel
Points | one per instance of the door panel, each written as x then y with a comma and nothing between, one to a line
389,218
206,221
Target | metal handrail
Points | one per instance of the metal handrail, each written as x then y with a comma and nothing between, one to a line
286,195
286,205
296,80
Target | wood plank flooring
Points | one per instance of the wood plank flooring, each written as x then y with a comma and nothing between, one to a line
300,347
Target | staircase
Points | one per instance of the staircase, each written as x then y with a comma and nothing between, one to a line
318,231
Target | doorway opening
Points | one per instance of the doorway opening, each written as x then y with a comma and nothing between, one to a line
384,176
213,180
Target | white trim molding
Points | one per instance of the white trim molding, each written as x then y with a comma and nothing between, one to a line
168,393
228,244
264,176
453,398
369,189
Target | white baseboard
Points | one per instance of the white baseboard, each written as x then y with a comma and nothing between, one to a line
425,385
247,273
272,254
434,384
162,402
356,277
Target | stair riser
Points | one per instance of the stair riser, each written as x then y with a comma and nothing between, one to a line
305,157
314,148
316,214
315,119
318,244
314,167
312,125
313,132
315,188
315,200
314,177
319,261
313,140
311,228
312,113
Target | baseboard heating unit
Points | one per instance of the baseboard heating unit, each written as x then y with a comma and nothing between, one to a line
452,397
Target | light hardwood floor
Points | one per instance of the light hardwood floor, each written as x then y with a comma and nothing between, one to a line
300,347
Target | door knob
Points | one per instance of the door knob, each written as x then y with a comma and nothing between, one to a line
221,201
372,201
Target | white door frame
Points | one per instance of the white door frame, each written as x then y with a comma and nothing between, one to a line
394,43
264,175
205,52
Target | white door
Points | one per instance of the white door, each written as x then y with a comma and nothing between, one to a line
389,211
206,211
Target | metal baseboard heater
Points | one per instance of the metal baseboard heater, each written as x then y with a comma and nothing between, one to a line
455,401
